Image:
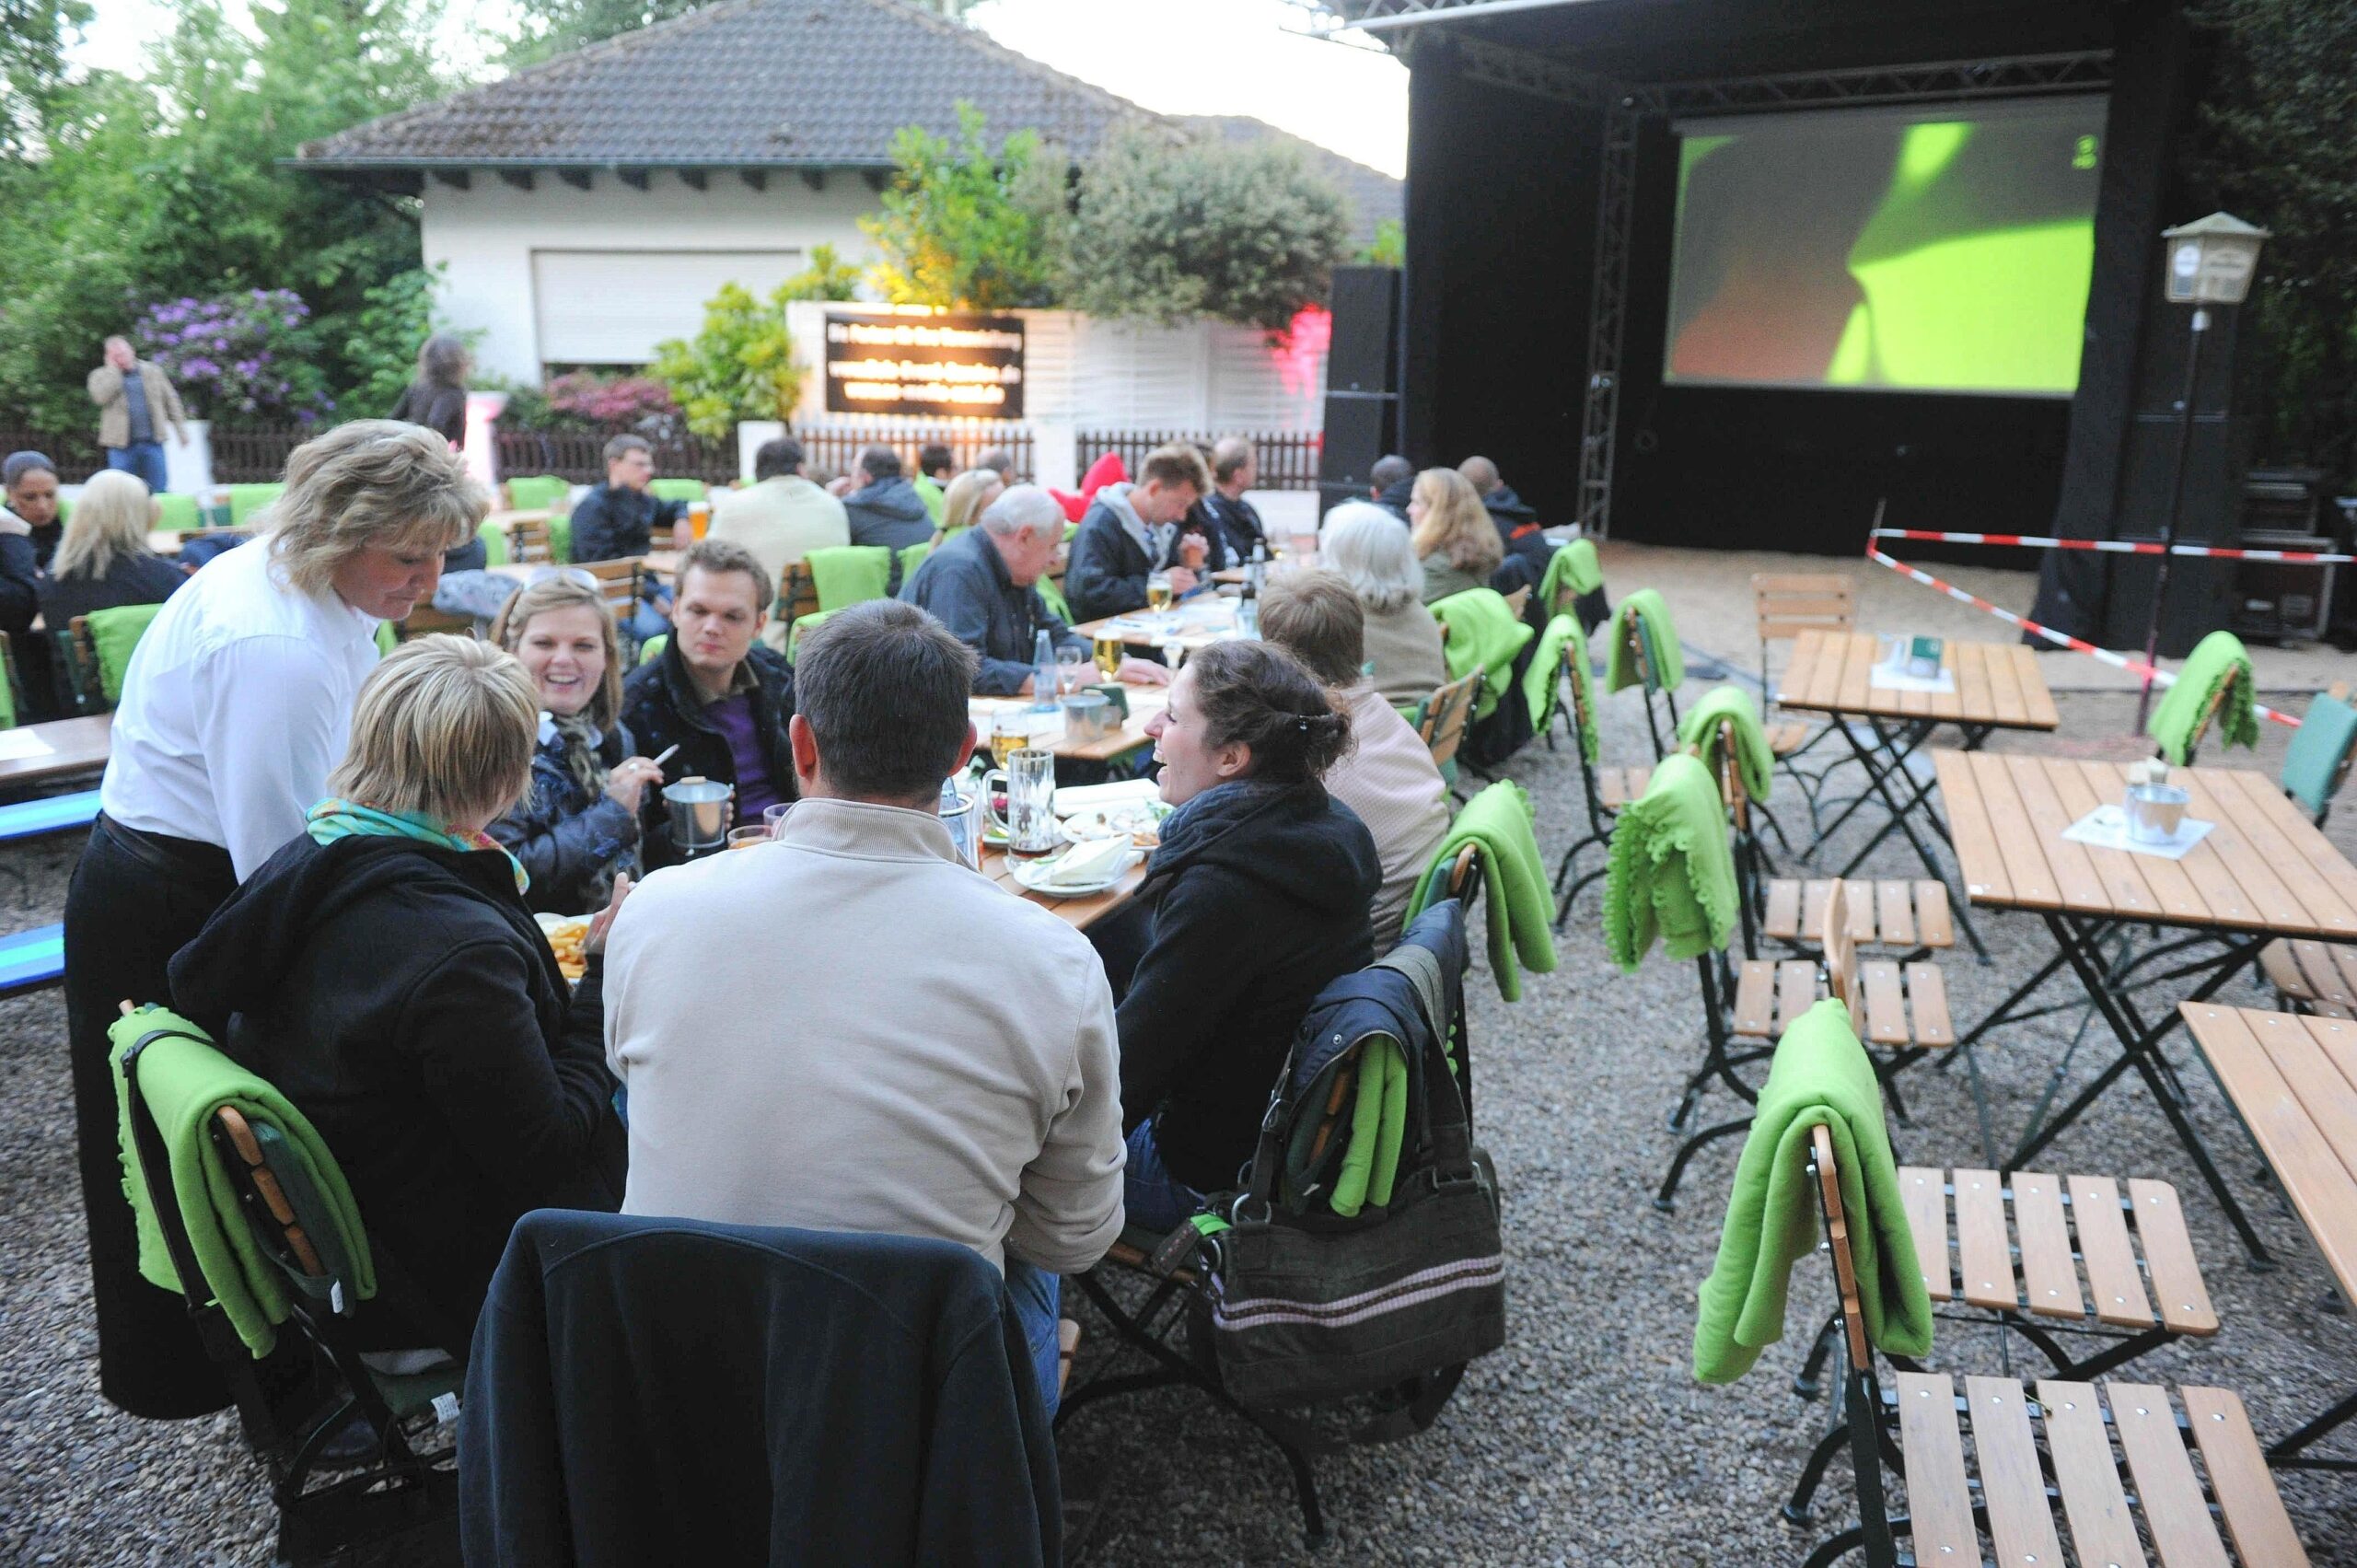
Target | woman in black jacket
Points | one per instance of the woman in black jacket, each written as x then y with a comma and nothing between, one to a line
383,971
1260,892
437,398
577,827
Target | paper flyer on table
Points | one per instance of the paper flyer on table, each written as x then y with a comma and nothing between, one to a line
18,744
1888,678
2107,828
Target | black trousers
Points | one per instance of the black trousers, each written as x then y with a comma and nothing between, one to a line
137,898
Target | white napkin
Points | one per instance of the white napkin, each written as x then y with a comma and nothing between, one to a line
1072,799
1087,863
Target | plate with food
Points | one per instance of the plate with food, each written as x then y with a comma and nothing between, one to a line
1076,872
1139,822
566,933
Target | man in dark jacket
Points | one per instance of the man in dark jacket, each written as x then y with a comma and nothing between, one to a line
619,520
1394,482
722,699
980,585
1516,524
1236,467
885,509
1130,532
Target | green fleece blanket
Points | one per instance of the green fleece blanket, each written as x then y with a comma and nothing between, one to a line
846,575
1518,903
184,1079
2219,659
1575,567
113,634
1671,877
1820,1077
1704,729
1379,1126
1543,683
1652,616
1480,632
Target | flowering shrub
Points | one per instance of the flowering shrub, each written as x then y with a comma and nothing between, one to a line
610,402
249,358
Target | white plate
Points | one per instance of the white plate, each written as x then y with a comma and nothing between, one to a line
1032,874
1117,822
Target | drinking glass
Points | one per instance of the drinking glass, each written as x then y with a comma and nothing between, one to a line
1069,661
746,838
1008,738
1029,780
1109,650
1157,591
774,817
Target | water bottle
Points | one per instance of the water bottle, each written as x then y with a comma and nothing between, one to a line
1256,572
1247,608
1043,673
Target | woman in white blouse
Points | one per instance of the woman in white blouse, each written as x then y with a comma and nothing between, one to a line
237,705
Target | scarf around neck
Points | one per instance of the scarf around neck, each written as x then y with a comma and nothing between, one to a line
334,818
581,739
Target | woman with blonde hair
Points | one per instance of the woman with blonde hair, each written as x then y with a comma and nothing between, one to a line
235,708
1452,535
383,972
102,561
575,830
962,503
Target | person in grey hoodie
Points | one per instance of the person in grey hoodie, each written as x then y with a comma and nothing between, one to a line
1130,532
887,509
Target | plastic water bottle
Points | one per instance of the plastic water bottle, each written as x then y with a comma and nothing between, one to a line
1256,572
1247,608
1043,674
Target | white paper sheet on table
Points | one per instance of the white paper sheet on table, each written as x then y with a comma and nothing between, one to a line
19,744
1888,677
2107,828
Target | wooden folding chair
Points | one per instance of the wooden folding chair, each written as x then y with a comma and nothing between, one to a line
1608,787
1785,604
1913,917
1446,714
530,542
1632,630
619,584
2049,1456
1519,600
82,665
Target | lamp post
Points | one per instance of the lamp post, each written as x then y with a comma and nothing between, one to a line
2209,261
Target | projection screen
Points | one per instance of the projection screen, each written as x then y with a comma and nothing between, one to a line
1936,250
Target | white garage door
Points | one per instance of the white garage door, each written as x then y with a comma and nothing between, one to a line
613,307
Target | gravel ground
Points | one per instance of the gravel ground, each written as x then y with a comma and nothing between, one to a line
1584,1440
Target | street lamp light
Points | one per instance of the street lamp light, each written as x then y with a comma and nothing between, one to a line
2208,262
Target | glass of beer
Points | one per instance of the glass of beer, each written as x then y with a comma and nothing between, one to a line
1008,737
1109,650
1157,591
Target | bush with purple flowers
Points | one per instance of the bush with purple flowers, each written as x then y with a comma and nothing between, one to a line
611,401
239,359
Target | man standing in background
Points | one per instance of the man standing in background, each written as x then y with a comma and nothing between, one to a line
135,401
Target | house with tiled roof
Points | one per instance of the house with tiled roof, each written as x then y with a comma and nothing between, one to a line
583,210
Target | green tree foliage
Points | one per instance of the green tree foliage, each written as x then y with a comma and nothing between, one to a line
1239,232
1389,247
826,277
171,187
966,224
2273,148
740,367
33,36
380,348
548,27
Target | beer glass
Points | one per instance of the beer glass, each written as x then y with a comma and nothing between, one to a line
1157,591
1109,650
1029,780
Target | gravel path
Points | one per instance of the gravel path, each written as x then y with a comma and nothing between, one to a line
1586,1440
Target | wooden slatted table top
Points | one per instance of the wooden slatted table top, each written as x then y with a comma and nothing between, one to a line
1996,683
2293,1079
2264,867
76,745
1082,912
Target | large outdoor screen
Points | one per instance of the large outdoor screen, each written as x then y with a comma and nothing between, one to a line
1937,250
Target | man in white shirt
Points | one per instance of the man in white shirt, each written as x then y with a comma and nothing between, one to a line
781,517
1387,776
847,1029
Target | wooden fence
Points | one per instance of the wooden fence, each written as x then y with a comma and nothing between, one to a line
579,455
76,457
835,444
1288,458
256,457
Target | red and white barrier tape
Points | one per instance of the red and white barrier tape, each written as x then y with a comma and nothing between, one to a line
2116,546
2060,639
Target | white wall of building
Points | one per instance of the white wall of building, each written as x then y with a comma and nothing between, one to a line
614,267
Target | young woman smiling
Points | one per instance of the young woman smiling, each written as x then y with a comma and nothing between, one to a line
576,828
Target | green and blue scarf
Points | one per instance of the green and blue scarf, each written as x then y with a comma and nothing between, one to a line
334,818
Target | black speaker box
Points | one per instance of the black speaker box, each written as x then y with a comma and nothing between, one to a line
1363,354
1358,431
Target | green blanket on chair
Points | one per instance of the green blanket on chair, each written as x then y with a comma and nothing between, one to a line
2219,659
1480,632
1820,1075
1646,607
184,1079
1671,877
1516,898
1575,567
1543,683
1702,729
845,574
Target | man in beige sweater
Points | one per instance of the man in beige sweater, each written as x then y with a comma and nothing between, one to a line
848,1029
781,517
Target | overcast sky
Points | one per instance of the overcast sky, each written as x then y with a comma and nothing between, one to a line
1174,56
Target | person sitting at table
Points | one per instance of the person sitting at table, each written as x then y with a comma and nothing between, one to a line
103,561
1453,538
29,486
383,971
847,1030
885,509
1236,467
1130,532
1259,896
721,698
620,519
1387,776
936,465
1517,525
1369,547
999,461
576,829
963,501
779,519
981,587
1391,482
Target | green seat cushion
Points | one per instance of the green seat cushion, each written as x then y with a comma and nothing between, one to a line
845,574
247,500
113,634
678,490
535,491
177,513
494,544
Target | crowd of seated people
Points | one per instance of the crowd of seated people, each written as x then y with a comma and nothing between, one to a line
1369,548
102,559
779,519
1452,536
963,501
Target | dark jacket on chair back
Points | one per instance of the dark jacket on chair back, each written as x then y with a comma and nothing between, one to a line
676,1391
890,512
661,706
614,523
402,997
1261,896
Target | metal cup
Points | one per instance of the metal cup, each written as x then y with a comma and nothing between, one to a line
698,814
964,821
2156,812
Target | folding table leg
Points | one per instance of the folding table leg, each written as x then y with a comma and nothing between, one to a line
2285,1454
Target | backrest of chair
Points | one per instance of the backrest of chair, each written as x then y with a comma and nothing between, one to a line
1583,695
175,513
1519,600
532,492
797,596
82,664
1841,954
1445,714
1837,1238
1465,882
1638,637
617,585
846,575
113,636
1787,604
528,540
2317,761
678,489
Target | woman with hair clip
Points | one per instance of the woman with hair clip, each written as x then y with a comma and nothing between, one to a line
576,828
1260,896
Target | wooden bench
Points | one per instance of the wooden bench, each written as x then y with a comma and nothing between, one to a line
1897,1005
2313,977
1887,913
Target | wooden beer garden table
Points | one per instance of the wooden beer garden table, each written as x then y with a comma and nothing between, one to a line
1145,703
1997,686
1083,912
1197,623
2263,872
69,746
2293,1079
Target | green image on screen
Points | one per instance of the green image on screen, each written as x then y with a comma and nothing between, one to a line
1925,249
